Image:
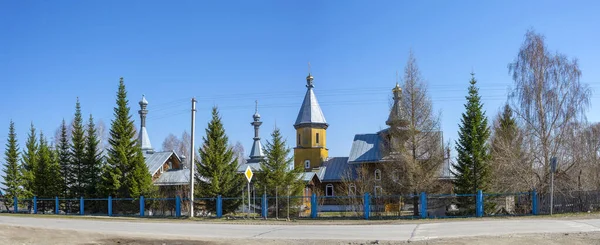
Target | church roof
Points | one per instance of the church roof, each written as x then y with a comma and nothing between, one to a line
256,153
398,113
310,112
144,140
336,168
365,148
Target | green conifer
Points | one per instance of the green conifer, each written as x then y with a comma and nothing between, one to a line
92,161
13,177
29,162
64,159
277,171
472,169
78,184
125,174
217,167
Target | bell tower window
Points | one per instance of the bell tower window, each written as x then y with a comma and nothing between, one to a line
317,139
298,139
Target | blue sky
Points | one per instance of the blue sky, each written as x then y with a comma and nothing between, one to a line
231,53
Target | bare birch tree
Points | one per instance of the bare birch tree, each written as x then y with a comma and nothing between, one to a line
547,97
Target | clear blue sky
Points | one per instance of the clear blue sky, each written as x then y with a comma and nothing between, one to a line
230,53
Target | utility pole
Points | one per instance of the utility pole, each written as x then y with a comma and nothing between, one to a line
192,162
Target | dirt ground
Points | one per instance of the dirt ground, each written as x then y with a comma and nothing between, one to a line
10,235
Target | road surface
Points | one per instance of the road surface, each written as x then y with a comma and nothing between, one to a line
394,232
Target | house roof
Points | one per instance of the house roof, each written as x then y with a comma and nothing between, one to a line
174,177
365,148
154,160
310,112
335,169
307,176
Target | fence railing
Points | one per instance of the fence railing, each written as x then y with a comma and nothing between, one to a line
367,206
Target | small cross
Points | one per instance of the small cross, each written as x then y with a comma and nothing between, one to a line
256,106
309,67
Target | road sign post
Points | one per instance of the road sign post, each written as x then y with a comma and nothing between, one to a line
552,169
248,173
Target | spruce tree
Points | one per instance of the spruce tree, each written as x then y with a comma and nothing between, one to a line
47,172
13,178
125,174
218,167
29,162
78,183
471,170
64,159
92,161
277,171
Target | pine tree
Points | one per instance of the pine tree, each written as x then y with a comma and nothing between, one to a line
277,172
472,169
64,160
218,167
92,161
13,178
125,174
78,184
29,162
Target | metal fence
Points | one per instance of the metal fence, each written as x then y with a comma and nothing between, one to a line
413,206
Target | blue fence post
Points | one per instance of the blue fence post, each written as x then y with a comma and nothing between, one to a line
479,207
109,206
367,207
56,206
313,206
423,202
534,202
265,206
35,205
15,204
81,206
142,206
177,206
219,206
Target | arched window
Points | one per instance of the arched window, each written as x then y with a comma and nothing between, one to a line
378,191
352,190
329,190
170,165
307,164
377,174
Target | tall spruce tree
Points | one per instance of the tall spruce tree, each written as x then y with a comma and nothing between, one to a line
13,178
218,167
47,173
29,162
92,161
64,159
472,169
277,171
125,174
508,156
78,184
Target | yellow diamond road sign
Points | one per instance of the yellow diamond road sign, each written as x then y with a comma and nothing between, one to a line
248,173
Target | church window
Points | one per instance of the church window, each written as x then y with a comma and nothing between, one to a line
352,190
307,164
377,174
378,191
170,165
329,190
317,139
298,139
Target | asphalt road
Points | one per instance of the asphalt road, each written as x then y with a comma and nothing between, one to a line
398,232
